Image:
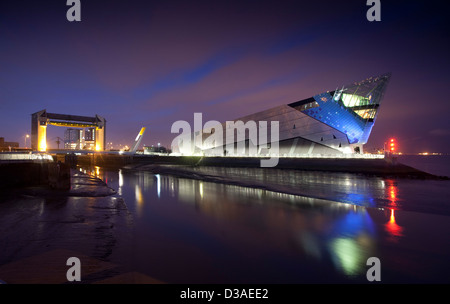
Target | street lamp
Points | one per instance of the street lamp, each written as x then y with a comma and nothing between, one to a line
26,136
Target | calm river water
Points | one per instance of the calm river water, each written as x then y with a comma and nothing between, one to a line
194,231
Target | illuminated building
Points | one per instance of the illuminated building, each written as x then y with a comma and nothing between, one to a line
89,139
330,123
73,139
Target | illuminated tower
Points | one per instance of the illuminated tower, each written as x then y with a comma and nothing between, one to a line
39,131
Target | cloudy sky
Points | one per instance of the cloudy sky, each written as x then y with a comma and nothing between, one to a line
151,63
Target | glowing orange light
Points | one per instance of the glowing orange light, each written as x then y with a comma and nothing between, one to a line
392,218
42,138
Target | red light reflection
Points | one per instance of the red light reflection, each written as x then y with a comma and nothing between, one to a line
392,227
392,193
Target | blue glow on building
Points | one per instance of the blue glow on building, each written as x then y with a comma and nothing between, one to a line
351,110
337,116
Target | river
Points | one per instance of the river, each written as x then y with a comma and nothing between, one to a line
324,231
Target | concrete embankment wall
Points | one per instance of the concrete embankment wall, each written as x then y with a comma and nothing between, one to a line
367,166
30,174
385,166
102,160
376,166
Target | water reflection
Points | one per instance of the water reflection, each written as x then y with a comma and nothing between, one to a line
353,241
119,190
341,233
368,191
158,184
139,198
395,231
256,222
350,254
93,171
347,188
392,193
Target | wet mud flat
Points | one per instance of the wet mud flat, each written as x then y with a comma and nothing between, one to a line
41,228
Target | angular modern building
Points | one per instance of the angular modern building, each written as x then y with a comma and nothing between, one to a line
330,123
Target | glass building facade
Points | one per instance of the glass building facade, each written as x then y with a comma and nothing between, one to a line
329,123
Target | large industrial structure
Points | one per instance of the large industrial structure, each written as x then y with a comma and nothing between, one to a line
40,120
330,123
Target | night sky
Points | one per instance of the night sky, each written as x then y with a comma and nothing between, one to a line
151,63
